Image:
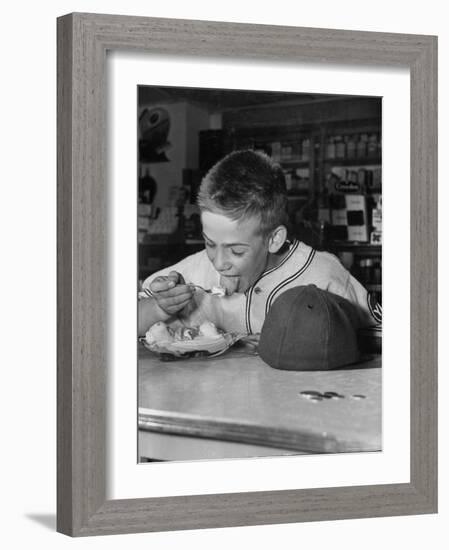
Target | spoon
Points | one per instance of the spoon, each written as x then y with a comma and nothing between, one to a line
215,291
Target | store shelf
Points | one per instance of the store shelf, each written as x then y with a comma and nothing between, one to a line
365,161
373,287
304,195
294,163
359,248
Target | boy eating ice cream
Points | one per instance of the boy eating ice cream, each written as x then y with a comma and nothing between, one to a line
243,203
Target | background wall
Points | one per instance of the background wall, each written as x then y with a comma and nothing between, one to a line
186,121
28,235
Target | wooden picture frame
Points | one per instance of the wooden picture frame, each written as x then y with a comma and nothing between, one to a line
83,40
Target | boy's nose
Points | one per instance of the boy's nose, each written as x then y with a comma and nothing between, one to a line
221,262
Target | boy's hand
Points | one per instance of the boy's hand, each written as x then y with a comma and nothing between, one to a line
171,293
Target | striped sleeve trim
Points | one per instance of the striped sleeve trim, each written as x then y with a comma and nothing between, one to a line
148,292
287,281
293,247
374,307
249,292
247,310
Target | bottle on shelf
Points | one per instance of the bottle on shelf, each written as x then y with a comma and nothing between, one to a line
372,147
366,268
330,148
361,146
305,149
340,148
350,147
276,151
288,181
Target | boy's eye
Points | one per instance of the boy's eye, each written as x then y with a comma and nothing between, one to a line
233,252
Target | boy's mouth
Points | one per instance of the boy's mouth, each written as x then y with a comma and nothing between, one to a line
230,283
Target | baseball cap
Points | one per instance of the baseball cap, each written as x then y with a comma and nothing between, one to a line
309,329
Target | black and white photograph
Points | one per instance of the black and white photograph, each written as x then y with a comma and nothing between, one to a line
214,204
259,292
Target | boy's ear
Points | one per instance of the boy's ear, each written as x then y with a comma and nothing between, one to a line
277,239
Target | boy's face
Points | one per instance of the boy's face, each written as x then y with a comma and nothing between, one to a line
236,249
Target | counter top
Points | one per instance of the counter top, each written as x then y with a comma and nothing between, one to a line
236,397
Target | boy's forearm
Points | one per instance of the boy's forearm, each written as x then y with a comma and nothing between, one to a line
149,313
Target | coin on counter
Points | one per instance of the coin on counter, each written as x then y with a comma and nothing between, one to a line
333,395
311,393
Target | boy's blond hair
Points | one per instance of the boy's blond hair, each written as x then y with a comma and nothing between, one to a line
246,184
